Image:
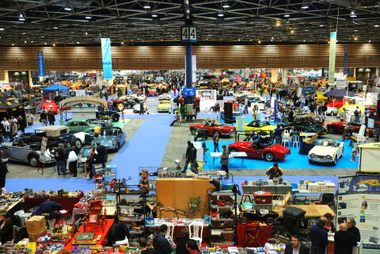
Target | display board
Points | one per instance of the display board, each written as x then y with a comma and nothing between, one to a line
207,99
369,158
358,197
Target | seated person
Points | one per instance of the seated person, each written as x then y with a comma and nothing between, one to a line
118,232
6,228
50,207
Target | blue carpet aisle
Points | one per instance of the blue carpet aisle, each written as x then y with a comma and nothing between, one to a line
292,161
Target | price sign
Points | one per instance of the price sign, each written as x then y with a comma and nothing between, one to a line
189,33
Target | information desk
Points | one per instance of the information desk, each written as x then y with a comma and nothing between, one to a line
100,233
66,202
312,210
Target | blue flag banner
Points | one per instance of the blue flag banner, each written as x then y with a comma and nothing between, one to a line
41,64
106,58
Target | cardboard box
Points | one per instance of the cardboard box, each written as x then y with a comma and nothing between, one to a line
35,224
34,236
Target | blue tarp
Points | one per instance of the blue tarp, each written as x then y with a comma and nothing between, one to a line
55,87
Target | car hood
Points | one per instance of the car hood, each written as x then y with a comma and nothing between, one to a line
107,141
323,150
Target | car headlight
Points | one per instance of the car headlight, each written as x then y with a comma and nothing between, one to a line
312,155
328,157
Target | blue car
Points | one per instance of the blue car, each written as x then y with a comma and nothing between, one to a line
113,138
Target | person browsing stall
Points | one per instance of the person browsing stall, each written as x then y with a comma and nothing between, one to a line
296,246
224,159
344,241
160,243
319,237
275,171
351,224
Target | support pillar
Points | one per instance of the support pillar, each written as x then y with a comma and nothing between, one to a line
189,65
284,76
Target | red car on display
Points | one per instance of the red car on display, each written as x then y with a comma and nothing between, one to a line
212,127
274,152
50,104
338,127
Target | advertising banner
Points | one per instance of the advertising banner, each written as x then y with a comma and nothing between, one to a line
359,184
207,99
106,58
41,64
332,57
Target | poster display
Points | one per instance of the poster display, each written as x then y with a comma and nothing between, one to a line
207,99
358,197
369,157
106,58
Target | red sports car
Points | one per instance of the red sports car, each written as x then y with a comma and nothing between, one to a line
50,104
338,127
270,153
212,127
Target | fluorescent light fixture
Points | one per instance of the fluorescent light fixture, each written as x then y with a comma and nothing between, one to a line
88,17
154,15
226,5
67,8
78,42
220,15
53,44
12,44
321,25
2,29
146,6
286,16
305,6
21,19
376,26
353,14
86,33
259,42
45,43
355,30
122,43
369,41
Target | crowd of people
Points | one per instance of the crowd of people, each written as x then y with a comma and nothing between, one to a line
10,127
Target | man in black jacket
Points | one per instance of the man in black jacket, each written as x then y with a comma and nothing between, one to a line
351,224
318,236
102,154
344,241
295,246
160,243
189,155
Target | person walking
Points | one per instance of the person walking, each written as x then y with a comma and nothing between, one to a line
318,236
187,156
43,117
51,117
102,154
141,108
224,160
73,161
90,162
344,241
22,124
60,158
215,139
7,129
3,170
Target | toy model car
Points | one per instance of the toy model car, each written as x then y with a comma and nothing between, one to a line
326,151
112,138
338,127
50,104
136,108
80,126
19,151
259,127
212,127
254,150
164,106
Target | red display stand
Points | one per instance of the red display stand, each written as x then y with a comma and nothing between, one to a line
253,234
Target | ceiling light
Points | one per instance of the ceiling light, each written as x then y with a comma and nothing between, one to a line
25,42
86,33
31,41
286,16
21,18
220,15
146,6
272,38
78,42
369,41
68,8
304,40
45,43
1,28
13,44
376,26
292,31
321,25
21,15
305,6
88,17
226,5
188,11
55,28
259,42
355,38
306,30
53,44
154,15
278,23
353,14
355,30
122,43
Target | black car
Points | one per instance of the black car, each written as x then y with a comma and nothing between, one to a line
33,138
307,126
103,114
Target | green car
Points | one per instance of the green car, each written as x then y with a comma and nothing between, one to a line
80,126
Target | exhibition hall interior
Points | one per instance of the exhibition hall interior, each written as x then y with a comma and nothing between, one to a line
189,126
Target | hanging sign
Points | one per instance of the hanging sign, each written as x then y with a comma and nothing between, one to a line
41,64
345,61
189,34
332,57
106,58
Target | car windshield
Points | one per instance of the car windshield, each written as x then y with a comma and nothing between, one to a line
327,143
255,124
109,132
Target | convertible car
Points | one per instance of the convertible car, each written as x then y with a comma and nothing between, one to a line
112,138
18,151
212,127
338,127
326,151
259,127
80,126
254,150
164,106
164,96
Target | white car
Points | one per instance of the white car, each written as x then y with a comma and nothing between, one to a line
136,108
326,151
332,111
164,96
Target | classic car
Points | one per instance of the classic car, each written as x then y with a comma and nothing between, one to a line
50,104
104,114
136,108
55,134
338,127
326,151
112,138
259,127
268,152
164,106
306,126
80,125
255,100
212,127
18,151
234,115
164,96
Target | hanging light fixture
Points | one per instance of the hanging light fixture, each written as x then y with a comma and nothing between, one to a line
353,14
16,74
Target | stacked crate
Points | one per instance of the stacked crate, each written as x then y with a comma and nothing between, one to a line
36,227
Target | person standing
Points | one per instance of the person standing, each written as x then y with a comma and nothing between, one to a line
13,127
318,237
60,158
3,170
43,117
215,139
296,246
141,108
73,161
90,162
344,241
351,224
102,154
187,156
160,243
224,159
7,129
274,172
22,123
51,117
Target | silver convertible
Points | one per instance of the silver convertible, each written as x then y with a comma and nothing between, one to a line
19,151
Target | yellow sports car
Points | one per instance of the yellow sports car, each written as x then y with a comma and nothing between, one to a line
259,127
164,106
351,108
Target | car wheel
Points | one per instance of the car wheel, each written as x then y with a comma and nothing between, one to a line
33,160
269,156
334,162
193,131
330,130
115,118
269,220
78,143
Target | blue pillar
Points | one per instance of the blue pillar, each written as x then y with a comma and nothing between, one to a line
189,65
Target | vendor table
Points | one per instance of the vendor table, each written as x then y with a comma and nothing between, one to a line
100,232
66,202
241,155
312,210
